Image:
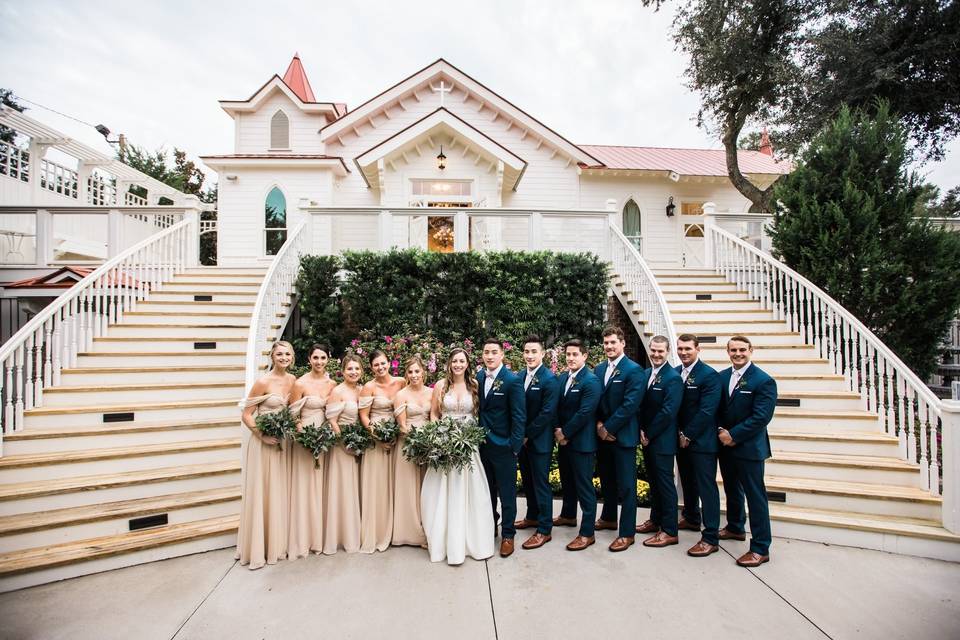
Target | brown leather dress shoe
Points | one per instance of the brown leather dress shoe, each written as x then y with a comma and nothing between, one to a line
580,543
702,549
661,539
605,525
524,524
726,534
686,525
621,544
564,522
647,527
537,540
506,547
751,559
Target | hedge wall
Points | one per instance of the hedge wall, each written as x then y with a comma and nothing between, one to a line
451,295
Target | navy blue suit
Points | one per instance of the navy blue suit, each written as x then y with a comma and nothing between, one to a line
576,417
697,462
745,414
617,461
503,415
541,409
658,420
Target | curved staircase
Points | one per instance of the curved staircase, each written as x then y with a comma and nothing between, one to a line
143,431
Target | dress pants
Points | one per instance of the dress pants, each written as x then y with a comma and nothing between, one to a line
582,467
744,478
568,483
500,465
539,466
526,480
704,468
618,482
688,480
663,492
607,472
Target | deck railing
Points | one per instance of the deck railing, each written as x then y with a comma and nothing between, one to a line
35,356
642,286
925,426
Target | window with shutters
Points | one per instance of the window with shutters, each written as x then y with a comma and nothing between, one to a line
279,131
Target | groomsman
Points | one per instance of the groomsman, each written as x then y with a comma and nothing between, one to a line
503,416
658,436
575,435
541,392
624,382
749,398
697,455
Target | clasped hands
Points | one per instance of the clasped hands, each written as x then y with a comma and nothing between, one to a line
603,434
725,438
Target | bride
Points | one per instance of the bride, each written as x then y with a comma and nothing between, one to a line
455,505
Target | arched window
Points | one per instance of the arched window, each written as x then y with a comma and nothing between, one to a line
274,221
631,224
279,131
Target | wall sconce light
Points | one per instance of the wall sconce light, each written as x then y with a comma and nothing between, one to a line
670,207
441,160
231,176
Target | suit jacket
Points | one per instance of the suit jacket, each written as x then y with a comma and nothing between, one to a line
659,409
620,400
698,409
541,409
576,410
747,412
503,413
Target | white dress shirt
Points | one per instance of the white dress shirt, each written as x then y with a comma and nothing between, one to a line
570,378
611,367
531,373
488,383
686,370
735,376
653,375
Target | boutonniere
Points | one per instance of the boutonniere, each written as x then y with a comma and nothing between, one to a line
535,381
575,382
741,383
658,379
615,373
497,384
691,379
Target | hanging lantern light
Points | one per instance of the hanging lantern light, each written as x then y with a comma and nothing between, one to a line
441,160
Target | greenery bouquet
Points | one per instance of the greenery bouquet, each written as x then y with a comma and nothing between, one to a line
317,439
356,438
386,431
278,424
445,445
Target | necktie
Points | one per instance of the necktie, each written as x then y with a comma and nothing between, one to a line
487,384
684,374
734,378
611,367
569,383
653,376
526,383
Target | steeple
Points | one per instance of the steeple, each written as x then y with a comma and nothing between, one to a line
296,78
765,146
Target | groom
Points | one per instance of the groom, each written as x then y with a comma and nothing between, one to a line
503,417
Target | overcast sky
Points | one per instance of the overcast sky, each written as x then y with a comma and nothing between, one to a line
598,72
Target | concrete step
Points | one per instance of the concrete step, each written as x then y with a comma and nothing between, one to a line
46,564
824,421
777,366
846,467
142,412
253,272
188,296
120,344
159,358
867,443
693,281
166,306
120,434
204,287
93,396
30,467
75,491
61,526
93,376
196,330
178,317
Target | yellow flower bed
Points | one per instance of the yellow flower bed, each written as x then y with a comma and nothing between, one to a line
643,487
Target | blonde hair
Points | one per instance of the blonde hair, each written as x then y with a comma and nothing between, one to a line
413,360
283,343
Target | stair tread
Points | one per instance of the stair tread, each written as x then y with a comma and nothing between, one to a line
162,325
216,314
53,486
186,367
200,352
855,489
146,386
845,460
109,453
825,413
115,428
863,436
180,292
92,548
26,522
169,339
140,406
759,359
898,525
198,303
849,395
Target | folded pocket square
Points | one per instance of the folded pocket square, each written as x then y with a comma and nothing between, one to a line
498,393
747,392
574,390
617,381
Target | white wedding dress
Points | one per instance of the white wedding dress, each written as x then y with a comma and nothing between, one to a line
455,506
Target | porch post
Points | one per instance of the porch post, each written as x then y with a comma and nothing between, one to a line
461,231
951,465
709,220
44,230
385,230
114,220
192,213
611,221
535,231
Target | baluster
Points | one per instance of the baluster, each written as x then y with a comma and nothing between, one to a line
38,373
82,321
8,425
57,339
28,374
74,331
911,426
48,350
810,321
935,454
923,426
18,388
890,408
65,325
900,386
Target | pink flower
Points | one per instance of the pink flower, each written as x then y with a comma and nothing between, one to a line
395,364
468,342
359,352
387,339
354,342
432,364
507,346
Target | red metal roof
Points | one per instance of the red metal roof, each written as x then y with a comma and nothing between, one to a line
296,79
60,279
272,156
686,162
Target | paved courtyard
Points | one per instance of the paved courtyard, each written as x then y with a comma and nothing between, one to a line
808,590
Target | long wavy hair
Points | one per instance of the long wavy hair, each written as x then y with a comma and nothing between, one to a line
282,343
468,377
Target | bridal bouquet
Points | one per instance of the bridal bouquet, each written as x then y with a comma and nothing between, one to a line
356,438
445,445
317,439
279,424
386,431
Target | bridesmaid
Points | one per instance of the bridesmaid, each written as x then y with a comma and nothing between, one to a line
412,410
341,502
308,402
377,466
262,535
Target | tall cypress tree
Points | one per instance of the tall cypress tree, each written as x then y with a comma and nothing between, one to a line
845,219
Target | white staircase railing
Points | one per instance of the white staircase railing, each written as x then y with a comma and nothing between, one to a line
36,354
906,407
630,266
277,286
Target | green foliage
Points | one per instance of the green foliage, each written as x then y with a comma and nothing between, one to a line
356,438
445,445
846,221
277,424
453,295
9,99
317,439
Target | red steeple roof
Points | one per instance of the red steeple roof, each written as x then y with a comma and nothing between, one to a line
296,79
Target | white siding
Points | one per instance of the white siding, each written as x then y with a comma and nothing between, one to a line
253,129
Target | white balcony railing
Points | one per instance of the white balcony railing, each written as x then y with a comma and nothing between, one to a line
34,357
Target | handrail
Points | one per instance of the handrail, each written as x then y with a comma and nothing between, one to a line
277,286
34,356
905,405
630,265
